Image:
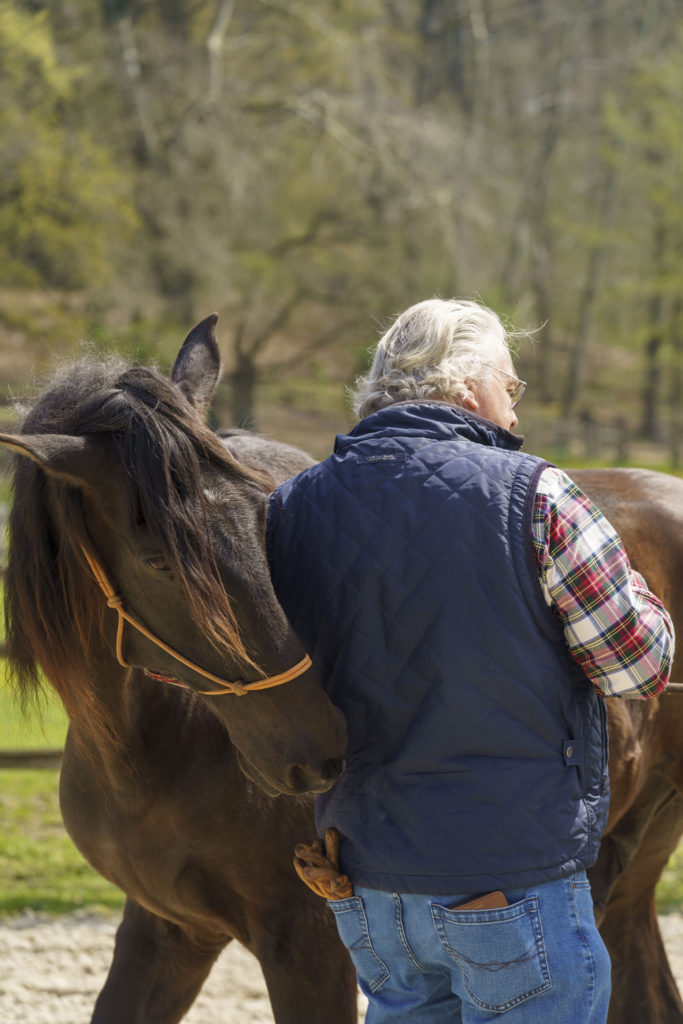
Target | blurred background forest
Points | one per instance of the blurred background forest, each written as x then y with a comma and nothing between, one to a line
308,170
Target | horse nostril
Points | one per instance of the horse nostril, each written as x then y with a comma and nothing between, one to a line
334,768
304,778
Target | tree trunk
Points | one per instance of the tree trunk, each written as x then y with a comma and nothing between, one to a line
447,65
676,386
650,397
243,392
117,15
577,359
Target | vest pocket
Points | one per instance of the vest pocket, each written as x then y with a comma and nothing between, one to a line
500,952
352,925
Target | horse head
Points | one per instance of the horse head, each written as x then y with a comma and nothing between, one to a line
124,489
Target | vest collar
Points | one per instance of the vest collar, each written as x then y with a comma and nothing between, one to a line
440,421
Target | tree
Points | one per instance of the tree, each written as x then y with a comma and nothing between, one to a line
644,120
305,169
63,201
315,181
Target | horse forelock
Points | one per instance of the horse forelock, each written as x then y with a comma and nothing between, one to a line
54,613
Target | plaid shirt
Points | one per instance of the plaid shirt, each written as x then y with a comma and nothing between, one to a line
618,632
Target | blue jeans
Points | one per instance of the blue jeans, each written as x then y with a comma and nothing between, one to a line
540,960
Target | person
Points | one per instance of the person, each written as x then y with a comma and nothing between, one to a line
469,610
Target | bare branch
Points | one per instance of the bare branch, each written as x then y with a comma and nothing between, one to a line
307,15
214,47
316,343
310,234
130,60
277,321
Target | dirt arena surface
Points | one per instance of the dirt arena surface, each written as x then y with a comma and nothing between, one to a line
52,970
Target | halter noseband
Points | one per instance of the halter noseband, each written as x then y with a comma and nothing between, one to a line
115,601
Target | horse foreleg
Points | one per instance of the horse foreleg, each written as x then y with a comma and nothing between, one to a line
643,987
157,971
307,970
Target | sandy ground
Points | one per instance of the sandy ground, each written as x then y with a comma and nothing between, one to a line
52,970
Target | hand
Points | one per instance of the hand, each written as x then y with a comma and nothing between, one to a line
317,866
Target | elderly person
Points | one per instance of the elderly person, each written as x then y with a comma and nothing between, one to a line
469,611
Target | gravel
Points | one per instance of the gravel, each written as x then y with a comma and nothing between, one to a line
52,970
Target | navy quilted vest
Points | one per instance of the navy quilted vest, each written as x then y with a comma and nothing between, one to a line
478,753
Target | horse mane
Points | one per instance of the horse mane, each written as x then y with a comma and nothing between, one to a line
54,612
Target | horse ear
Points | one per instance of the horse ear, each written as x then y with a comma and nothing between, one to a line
198,365
77,460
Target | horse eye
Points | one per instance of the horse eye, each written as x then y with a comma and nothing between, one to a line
158,563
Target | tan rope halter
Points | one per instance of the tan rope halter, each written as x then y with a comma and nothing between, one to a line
115,601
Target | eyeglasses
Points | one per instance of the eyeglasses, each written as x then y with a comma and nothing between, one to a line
516,390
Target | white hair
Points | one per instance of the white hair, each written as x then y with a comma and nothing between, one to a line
429,352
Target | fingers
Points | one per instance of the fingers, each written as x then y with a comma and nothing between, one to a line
321,878
332,847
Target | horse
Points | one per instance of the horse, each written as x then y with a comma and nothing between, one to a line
137,582
163,789
645,821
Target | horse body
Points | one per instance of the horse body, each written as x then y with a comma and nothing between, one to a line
646,763
174,796
204,856
171,792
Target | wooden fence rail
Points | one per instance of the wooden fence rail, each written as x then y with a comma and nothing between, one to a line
30,758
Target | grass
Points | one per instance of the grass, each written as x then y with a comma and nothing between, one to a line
40,731
41,870
670,887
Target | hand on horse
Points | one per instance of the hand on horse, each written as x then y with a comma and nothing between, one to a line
318,866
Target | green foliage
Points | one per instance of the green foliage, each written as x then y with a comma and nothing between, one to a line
302,168
62,198
645,147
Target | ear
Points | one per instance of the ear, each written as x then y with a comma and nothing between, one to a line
79,461
469,401
198,365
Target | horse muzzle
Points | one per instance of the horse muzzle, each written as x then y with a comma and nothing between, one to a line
297,779
302,778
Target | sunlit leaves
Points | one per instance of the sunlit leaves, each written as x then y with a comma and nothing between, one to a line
62,198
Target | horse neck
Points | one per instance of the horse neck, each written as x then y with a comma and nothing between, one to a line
151,722
110,723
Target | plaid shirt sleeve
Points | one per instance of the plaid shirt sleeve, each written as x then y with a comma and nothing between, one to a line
616,629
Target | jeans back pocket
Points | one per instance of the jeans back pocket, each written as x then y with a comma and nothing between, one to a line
500,952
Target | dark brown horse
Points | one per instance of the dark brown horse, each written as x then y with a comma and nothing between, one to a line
151,788
122,475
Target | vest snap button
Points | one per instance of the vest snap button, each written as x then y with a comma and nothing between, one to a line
569,751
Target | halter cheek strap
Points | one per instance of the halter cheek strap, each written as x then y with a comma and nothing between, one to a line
115,601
